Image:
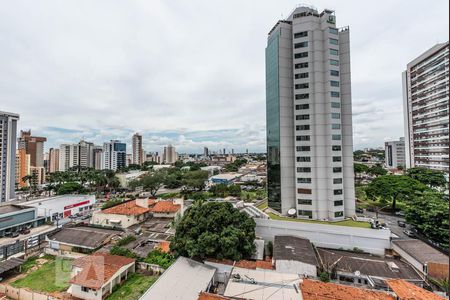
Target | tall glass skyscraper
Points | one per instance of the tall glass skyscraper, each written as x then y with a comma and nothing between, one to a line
309,117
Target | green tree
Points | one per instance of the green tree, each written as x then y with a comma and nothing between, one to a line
377,170
157,257
70,188
429,214
432,178
195,180
152,182
219,190
214,230
360,168
394,188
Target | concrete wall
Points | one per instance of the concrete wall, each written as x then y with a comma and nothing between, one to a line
295,267
329,236
99,218
22,294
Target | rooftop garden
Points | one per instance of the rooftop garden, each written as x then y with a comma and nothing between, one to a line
348,223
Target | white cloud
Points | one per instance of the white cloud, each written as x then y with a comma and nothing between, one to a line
194,69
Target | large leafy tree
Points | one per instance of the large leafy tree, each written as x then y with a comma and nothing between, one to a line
360,168
214,230
394,188
195,180
377,170
429,214
151,182
432,178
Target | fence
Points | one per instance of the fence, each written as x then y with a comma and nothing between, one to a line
22,294
154,269
437,270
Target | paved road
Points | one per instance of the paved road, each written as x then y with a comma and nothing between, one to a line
391,222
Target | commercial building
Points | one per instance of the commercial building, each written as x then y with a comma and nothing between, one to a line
34,146
53,160
170,156
23,167
395,153
114,155
309,117
138,151
61,207
95,276
8,136
15,217
426,109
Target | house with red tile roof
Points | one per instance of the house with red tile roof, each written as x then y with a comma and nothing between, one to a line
408,291
124,214
166,209
317,290
95,276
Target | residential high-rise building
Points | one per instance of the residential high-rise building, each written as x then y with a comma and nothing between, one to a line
395,153
114,155
205,151
170,156
22,167
138,151
8,140
98,152
426,109
76,155
309,117
53,160
34,146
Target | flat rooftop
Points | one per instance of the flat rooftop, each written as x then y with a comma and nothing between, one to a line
421,251
9,208
183,280
262,284
368,264
86,237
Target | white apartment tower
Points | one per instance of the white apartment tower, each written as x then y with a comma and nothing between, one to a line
138,151
76,155
8,140
309,117
426,109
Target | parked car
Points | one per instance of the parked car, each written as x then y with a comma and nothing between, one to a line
359,210
409,233
401,223
400,213
15,234
25,231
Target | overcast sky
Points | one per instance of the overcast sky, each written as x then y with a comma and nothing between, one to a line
190,73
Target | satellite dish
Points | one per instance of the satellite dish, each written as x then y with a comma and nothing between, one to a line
292,212
357,273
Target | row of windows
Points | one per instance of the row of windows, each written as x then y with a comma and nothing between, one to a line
334,62
335,105
337,192
308,159
334,41
301,86
302,127
303,180
304,201
333,30
303,159
301,117
308,170
334,52
334,73
300,34
301,96
303,148
300,45
306,96
301,106
334,83
301,55
308,148
304,191
302,138
301,66
336,137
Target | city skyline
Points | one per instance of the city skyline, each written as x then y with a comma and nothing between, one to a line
93,82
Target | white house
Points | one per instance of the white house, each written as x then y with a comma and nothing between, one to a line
95,276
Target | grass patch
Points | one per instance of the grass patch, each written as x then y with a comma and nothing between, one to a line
53,276
133,288
263,205
348,223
